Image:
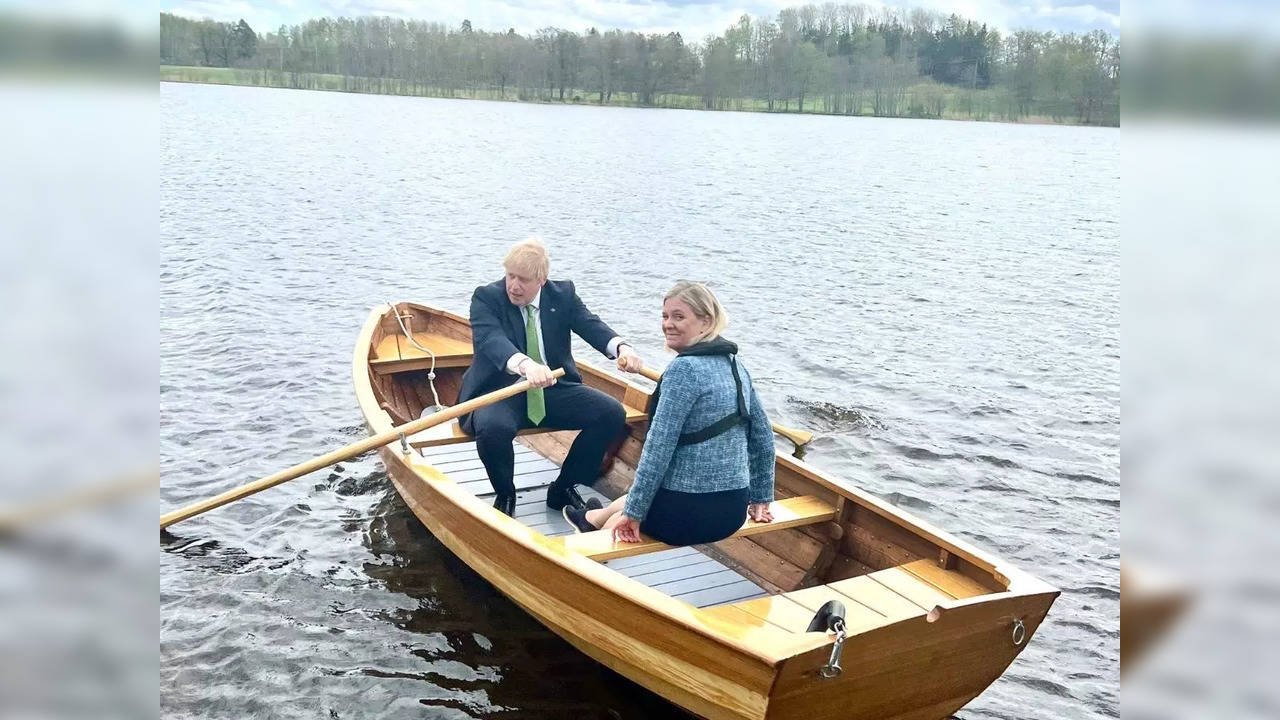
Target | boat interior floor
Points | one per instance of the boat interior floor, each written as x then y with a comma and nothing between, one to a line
682,573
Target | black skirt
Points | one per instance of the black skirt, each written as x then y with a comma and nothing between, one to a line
681,518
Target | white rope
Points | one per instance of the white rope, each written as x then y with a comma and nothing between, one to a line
431,374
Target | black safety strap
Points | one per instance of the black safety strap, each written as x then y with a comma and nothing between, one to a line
726,423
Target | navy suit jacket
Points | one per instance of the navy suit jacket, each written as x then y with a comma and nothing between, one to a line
497,333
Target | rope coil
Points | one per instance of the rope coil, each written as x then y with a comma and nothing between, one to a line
431,374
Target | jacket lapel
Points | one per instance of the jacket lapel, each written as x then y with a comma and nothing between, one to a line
516,326
511,318
551,320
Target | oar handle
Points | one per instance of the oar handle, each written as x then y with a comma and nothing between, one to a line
799,438
350,451
650,373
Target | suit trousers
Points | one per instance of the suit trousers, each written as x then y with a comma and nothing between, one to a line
570,406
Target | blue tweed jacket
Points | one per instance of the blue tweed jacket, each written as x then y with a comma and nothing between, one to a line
696,392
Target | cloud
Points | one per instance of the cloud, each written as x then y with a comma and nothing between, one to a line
1082,15
261,16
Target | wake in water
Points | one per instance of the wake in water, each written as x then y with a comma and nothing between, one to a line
831,418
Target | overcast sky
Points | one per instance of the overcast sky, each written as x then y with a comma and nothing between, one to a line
693,18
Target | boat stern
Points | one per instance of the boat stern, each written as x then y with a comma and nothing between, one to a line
922,668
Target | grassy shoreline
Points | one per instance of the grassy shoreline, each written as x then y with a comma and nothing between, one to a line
957,103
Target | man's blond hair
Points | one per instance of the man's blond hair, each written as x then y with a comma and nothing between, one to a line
529,257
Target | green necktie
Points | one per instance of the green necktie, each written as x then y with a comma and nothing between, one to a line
537,403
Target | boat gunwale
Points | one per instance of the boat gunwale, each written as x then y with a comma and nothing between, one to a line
1017,581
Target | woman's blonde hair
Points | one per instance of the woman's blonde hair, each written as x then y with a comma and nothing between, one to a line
704,304
529,256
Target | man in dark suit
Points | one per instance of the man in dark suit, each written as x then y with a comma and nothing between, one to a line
520,327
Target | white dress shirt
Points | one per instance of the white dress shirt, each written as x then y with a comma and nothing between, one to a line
513,362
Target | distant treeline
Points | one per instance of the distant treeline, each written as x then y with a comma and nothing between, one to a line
835,59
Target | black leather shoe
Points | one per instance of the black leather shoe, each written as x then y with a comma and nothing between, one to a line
558,497
506,503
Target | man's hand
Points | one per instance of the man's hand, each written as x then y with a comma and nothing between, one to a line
537,375
628,360
760,512
627,531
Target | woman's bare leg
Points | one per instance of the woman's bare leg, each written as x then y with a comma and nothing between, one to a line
600,518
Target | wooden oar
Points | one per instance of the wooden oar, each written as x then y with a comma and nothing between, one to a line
799,438
13,520
350,451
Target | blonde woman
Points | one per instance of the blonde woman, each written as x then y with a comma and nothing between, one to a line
707,461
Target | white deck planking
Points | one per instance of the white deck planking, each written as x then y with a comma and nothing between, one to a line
683,573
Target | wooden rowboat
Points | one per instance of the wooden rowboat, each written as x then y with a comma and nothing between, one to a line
931,621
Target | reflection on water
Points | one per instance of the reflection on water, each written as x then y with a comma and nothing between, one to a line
515,663
937,301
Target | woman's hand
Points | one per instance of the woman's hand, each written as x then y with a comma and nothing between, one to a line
759,512
627,531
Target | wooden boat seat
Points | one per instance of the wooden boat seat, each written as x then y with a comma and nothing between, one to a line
451,433
396,354
870,601
788,513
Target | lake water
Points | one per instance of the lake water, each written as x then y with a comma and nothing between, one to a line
938,301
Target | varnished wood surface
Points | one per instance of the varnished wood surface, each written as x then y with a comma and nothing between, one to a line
913,669
952,583
868,592
930,619
633,629
789,513
1151,604
1001,574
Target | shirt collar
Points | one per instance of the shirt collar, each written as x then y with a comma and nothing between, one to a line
536,302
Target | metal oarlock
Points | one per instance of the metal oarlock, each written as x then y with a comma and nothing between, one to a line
830,618
404,444
832,669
